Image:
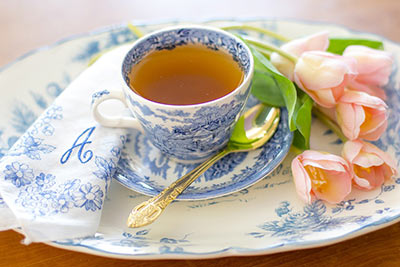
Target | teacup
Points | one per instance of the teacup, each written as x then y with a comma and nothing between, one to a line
186,133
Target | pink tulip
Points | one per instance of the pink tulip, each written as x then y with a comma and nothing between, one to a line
370,165
318,41
361,115
323,76
322,176
373,67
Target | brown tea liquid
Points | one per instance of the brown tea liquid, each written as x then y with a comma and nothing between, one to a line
186,75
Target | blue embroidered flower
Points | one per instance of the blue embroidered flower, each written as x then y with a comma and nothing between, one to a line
89,197
43,124
42,198
70,186
105,169
47,198
43,180
29,144
19,174
29,199
31,147
63,203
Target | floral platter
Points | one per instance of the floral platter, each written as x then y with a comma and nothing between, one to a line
268,216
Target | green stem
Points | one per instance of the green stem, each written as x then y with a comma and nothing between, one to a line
257,29
135,30
265,53
329,123
296,150
272,48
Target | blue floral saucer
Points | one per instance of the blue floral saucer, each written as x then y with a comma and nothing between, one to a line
144,169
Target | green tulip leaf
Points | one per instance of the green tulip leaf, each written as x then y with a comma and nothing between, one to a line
277,82
265,88
338,45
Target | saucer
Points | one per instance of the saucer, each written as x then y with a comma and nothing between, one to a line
144,169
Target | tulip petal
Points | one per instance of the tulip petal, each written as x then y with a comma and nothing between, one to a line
323,76
317,41
364,99
370,148
362,183
369,179
325,164
351,149
388,172
284,65
350,117
376,133
302,181
338,186
367,160
320,70
373,119
368,118
323,97
374,66
317,156
369,89
371,166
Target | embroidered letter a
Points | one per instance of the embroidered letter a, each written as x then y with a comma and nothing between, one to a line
87,155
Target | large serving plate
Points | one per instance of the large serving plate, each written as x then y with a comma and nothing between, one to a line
264,218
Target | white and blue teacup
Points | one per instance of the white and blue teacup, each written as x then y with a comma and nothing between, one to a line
186,133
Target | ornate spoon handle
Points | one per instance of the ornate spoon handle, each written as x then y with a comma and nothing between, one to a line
148,211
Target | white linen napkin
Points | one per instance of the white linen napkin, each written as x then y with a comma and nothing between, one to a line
54,180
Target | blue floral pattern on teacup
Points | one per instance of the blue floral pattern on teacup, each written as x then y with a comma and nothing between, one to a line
212,124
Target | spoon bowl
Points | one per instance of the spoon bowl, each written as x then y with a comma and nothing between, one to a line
260,123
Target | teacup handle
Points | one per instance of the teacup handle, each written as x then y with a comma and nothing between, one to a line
112,121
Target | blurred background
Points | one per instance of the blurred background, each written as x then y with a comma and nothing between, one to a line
29,24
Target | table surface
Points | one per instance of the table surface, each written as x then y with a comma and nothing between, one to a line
26,25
